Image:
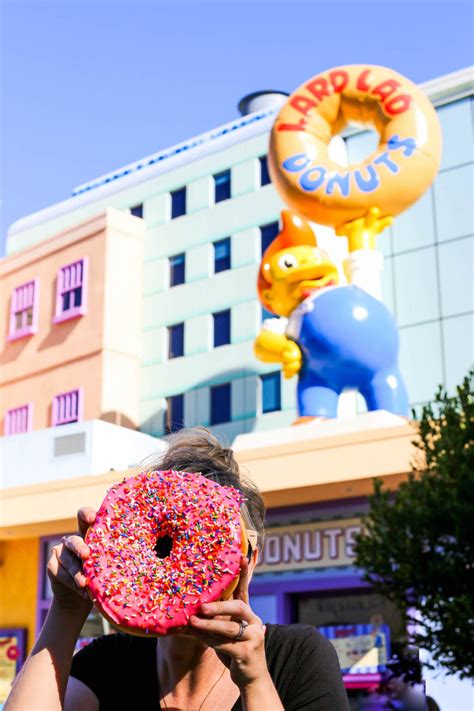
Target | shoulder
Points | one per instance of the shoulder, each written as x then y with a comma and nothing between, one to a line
304,667
297,636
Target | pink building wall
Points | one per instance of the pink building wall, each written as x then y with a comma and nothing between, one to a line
94,351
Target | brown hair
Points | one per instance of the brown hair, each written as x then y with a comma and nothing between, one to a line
197,450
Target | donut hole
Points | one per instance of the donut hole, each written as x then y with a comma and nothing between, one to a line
163,546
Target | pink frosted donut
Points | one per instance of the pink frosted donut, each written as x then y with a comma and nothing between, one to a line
141,592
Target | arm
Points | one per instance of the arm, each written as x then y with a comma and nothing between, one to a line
42,682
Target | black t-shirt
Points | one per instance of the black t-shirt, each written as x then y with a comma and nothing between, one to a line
121,670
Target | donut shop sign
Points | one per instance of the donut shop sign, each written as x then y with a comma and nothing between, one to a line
309,545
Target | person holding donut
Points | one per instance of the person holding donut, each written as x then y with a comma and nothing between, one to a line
224,659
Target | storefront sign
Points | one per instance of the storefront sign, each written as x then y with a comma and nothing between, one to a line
361,649
12,655
309,545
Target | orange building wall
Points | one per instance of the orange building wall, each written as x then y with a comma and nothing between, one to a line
19,565
95,351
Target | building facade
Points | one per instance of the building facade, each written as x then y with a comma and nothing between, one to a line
167,340
209,208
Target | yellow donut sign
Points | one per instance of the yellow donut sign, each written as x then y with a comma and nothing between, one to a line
391,179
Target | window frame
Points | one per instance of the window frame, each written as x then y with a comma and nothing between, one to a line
28,329
214,388
56,421
174,193
227,258
74,311
170,335
172,283
228,185
214,332
9,414
276,374
168,428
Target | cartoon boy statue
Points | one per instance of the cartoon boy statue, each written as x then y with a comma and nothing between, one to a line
335,337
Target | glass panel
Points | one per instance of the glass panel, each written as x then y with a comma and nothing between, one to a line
264,174
66,301
18,320
268,234
222,255
137,210
222,186
220,404
178,203
271,392
176,340
456,125
29,317
221,328
421,360
174,416
177,269
416,286
453,198
78,296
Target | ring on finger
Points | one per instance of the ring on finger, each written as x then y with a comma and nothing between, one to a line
243,624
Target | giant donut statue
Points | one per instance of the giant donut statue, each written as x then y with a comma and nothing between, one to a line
162,544
390,180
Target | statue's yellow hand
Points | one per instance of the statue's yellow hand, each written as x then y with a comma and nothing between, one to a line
362,233
291,359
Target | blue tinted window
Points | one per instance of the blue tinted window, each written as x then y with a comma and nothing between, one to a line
268,234
177,269
266,314
176,340
221,328
220,404
178,203
222,255
137,210
174,415
222,186
271,392
264,174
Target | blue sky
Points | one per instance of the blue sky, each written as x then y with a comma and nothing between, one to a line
91,85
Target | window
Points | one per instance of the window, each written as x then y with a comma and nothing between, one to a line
268,234
18,420
221,328
222,186
176,340
178,203
222,255
271,392
67,407
137,210
220,404
177,269
174,415
264,174
71,291
267,314
24,310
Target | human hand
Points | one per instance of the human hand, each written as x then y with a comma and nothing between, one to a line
236,633
68,581
291,359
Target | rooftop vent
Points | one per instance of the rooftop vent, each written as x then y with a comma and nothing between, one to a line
261,100
70,444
